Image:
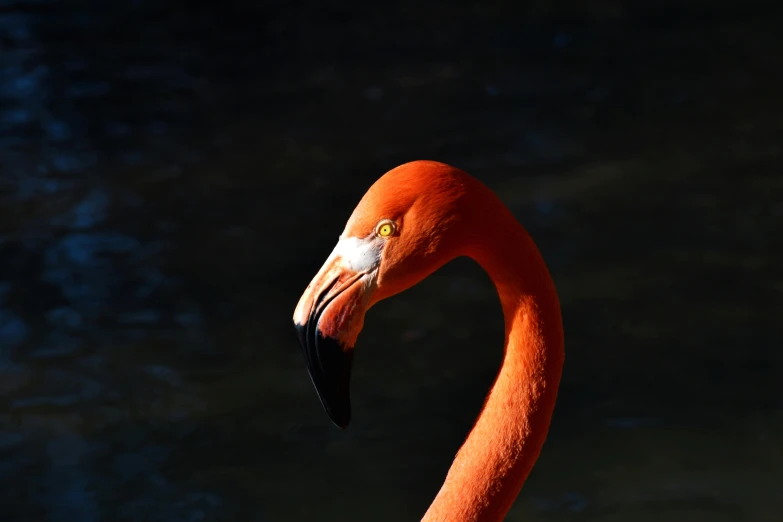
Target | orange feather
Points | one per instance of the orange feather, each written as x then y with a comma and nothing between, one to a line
441,213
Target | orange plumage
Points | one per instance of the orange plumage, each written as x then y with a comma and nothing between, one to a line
436,213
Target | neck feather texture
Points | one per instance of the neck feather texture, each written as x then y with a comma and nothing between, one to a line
501,449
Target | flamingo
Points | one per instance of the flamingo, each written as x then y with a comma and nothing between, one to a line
412,221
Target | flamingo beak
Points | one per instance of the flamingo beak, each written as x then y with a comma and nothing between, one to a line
329,317
329,365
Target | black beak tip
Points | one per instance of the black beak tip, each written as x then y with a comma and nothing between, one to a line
342,420
329,366
301,334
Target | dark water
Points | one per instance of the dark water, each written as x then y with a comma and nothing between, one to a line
173,176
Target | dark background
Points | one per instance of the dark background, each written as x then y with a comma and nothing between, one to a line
173,175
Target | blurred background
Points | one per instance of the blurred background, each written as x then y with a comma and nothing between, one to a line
172,175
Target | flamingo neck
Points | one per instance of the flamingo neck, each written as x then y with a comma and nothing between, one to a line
501,449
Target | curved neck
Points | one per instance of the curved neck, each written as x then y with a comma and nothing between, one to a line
501,449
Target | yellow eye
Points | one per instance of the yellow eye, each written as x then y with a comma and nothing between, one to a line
385,228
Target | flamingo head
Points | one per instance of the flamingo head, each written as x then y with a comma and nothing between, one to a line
408,224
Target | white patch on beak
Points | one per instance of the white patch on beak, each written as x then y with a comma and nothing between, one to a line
351,256
357,254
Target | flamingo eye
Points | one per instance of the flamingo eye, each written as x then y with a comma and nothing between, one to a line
386,228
